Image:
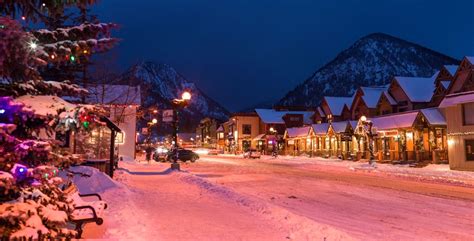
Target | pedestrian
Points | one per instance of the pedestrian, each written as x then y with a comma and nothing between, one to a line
148,153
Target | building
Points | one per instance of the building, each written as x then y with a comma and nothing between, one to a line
206,133
458,106
243,128
365,101
299,140
336,108
412,93
442,83
274,122
121,103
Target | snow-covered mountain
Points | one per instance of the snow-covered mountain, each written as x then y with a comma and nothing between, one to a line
161,83
372,60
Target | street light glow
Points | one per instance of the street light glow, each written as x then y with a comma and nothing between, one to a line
363,118
154,121
186,95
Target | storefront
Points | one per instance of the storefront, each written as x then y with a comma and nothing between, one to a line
299,141
320,140
340,135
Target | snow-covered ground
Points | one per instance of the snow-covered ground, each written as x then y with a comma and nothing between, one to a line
229,198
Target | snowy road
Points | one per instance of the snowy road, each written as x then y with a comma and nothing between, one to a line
229,198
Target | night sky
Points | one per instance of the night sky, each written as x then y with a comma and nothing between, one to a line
242,53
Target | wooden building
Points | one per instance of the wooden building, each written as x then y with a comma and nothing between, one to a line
320,140
336,108
411,93
442,82
299,140
340,135
458,106
365,101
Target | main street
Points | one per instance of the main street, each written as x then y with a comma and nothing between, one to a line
366,204
231,198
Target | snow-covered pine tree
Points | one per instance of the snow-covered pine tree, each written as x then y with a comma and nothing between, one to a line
62,49
31,203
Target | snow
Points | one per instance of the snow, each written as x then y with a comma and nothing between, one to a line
470,59
271,116
321,112
288,198
395,121
98,182
45,105
457,98
434,116
298,131
451,69
371,95
336,104
417,89
446,83
340,126
114,94
320,129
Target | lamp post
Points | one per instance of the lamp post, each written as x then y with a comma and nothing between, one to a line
369,133
177,105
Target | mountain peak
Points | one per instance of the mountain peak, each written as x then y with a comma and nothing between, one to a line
372,60
161,83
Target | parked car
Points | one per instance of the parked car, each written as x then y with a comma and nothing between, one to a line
160,154
215,151
183,155
251,154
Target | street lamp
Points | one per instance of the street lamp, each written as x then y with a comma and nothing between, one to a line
369,133
178,104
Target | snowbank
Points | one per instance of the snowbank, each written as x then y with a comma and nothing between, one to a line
300,228
98,182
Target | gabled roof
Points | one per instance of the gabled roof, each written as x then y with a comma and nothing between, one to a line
417,89
320,129
434,116
371,95
470,59
339,126
336,104
114,94
390,98
445,83
271,116
320,111
298,131
394,121
451,69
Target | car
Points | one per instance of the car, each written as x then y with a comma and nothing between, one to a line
252,154
160,154
183,155
215,152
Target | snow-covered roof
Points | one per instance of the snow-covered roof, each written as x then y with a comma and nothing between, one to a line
451,69
418,89
353,124
321,112
339,126
271,116
320,129
390,99
259,137
470,59
114,94
298,131
457,98
372,95
336,104
395,121
445,83
220,128
45,105
434,116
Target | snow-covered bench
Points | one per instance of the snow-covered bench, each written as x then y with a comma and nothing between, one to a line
85,211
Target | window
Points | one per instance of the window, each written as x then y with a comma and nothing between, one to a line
469,150
246,129
468,113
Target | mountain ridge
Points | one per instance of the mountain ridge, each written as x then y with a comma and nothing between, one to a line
370,61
